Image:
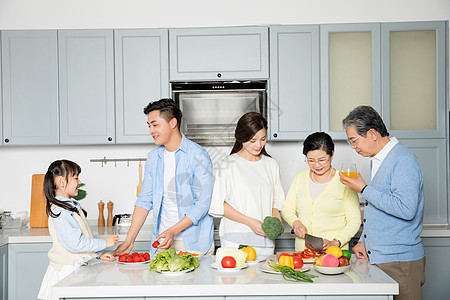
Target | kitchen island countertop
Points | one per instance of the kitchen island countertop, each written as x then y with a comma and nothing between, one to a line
111,279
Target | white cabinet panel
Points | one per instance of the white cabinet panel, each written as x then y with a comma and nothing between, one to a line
219,53
86,71
142,76
30,87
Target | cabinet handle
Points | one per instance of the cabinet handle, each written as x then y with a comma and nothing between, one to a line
109,139
219,75
275,135
6,140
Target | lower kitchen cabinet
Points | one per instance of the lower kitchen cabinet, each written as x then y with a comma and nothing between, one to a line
27,264
3,272
436,268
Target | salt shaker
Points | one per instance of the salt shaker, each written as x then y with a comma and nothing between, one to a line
109,220
101,218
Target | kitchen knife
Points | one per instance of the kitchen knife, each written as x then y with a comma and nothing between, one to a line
312,242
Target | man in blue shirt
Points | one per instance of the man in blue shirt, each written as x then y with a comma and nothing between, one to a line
177,185
393,212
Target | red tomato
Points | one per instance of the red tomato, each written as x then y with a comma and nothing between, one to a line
137,258
135,254
122,258
228,262
142,258
130,258
298,262
147,256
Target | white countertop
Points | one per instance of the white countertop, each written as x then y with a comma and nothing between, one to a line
111,279
41,235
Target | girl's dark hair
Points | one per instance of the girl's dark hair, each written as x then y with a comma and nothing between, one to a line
247,126
57,168
318,141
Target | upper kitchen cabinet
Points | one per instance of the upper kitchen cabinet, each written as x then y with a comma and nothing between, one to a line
141,68
350,72
30,87
413,56
86,77
219,53
294,82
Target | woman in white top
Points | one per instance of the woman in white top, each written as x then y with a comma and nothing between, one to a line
247,188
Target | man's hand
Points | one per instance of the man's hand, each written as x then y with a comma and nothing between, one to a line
299,229
255,225
355,184
123,248
360,250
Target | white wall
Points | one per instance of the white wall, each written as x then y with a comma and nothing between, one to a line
17,164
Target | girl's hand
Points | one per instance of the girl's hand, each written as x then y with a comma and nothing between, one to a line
112,240
107,256
327,244
299,229
255,225
166,239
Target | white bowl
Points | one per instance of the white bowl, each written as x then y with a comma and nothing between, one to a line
331,270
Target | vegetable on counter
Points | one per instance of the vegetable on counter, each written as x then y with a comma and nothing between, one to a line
286,260
290,274
251,253
228,262
272,227
168,260
239,255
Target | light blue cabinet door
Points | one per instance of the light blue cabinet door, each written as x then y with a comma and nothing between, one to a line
142,76
30,87
86,73
348,85
294,82
415,35
437,268
433,159
27,264
219,53
4,272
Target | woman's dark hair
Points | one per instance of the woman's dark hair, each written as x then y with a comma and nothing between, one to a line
318,141
365,118
167,110
247,126
58,168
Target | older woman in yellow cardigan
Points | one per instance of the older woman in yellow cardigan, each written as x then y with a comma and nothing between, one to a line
317,202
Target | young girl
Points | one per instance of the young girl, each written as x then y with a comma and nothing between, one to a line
247,188
73,242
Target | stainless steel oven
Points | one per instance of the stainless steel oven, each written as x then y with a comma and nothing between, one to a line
212,109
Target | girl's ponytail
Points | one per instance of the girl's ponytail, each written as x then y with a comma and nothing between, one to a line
58,168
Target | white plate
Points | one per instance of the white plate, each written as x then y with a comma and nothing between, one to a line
267,269
257,260
133,263
175,273
332,271
220,268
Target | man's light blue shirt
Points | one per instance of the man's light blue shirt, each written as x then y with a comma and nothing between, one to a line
193,181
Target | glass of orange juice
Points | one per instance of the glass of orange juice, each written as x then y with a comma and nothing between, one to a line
349,170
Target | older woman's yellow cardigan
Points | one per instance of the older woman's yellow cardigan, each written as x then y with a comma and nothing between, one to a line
334,214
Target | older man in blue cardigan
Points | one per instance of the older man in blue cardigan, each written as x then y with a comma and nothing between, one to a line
393,213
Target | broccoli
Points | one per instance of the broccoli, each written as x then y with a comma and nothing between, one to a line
272,227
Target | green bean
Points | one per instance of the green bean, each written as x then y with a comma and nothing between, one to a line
291,274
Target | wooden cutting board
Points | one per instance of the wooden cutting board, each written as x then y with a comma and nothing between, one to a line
38,216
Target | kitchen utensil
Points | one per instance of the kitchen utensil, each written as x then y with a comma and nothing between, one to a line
38,214
14,220
122,220
313,242
139,186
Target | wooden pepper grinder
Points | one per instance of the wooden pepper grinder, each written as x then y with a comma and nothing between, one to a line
109,220
101,218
